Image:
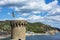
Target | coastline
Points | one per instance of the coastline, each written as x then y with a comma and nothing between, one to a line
27,34
6,36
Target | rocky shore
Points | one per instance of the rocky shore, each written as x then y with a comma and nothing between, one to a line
4,36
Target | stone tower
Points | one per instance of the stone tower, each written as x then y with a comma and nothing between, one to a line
18,29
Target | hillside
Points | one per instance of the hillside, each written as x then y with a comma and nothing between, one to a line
36,27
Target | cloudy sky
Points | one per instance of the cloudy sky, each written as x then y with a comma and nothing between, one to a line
45,11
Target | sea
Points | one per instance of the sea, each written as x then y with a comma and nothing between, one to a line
41,37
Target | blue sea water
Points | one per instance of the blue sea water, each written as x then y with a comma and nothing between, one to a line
44,37
41,37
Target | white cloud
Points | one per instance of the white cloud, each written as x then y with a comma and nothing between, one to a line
15,1
55,10
17,9
5,2
8,13
57,18
20,18
35,18
58,9
2,3
37,6
31,4
36,12
25,14
40,5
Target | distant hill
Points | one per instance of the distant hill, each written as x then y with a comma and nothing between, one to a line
57,29
36,27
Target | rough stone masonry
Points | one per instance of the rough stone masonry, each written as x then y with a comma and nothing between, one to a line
18,29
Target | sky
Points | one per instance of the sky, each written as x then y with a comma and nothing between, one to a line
45,11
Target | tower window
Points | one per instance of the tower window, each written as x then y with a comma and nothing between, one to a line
19,24
19,39
22,24
16,24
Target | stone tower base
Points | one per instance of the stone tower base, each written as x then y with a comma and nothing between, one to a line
19,33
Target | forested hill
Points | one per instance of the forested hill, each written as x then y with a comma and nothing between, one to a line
39,27
36,27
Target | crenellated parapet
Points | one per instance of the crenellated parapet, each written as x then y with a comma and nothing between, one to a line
17,23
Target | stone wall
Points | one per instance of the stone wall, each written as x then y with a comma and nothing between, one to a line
19,33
